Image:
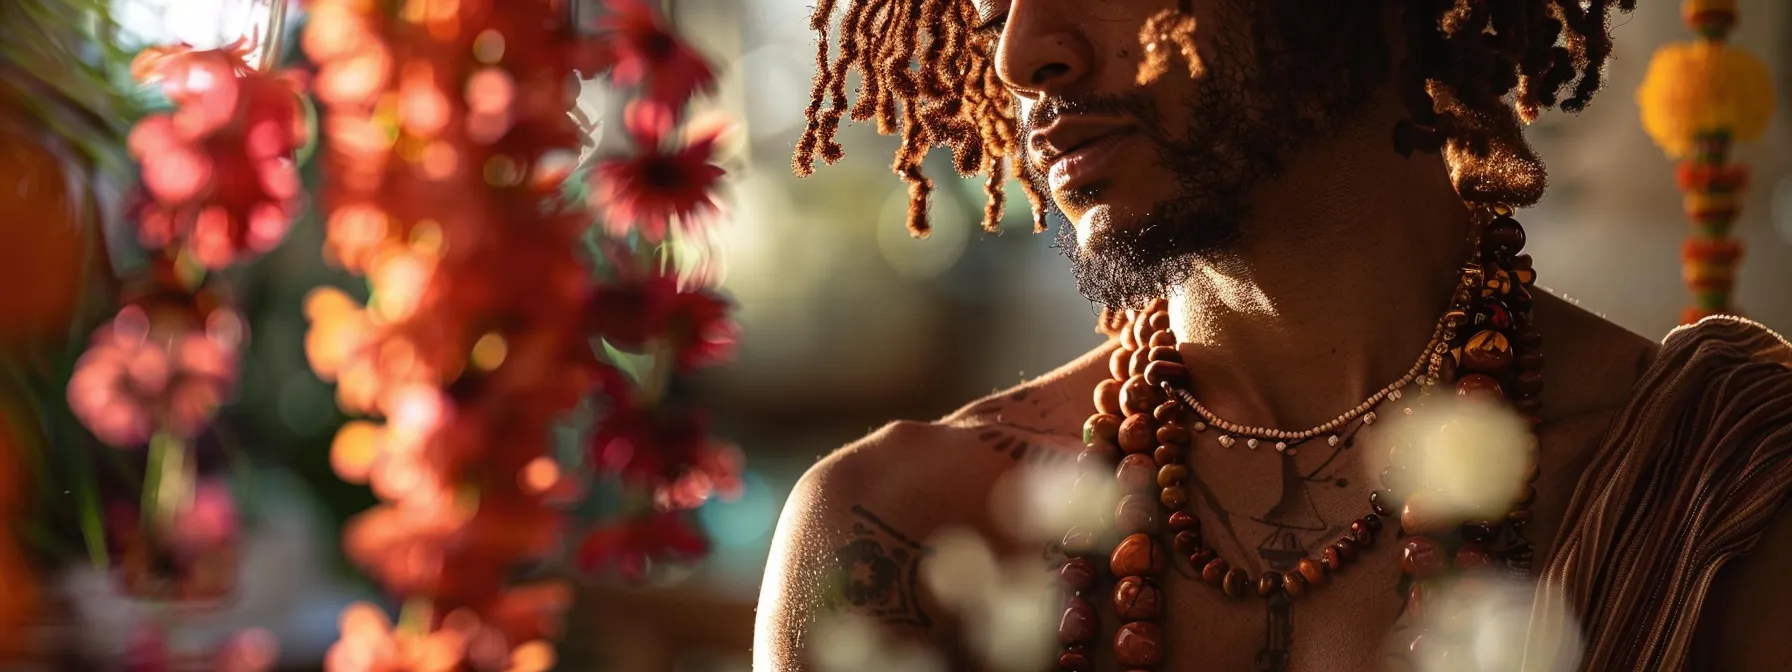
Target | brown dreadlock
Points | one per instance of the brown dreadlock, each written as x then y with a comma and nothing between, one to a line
1464,58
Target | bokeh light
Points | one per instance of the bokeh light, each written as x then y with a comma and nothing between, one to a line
1471,456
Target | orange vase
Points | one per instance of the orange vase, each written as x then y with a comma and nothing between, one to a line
45,236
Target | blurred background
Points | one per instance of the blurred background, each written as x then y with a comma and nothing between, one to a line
848,323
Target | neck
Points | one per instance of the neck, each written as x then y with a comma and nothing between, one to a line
1346,265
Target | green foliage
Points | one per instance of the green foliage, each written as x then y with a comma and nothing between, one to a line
57,65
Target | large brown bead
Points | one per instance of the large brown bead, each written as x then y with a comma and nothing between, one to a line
1174,433
1421,558
1529,384
1107,396
1294,584
1079,541
1135,514
1172,373
1073,661
1117,363
1163,353
1137,555
1139,644
1141,330
1135,365
1137,599
1314,573
1104,426
1479,386
1215,570
1487,352
1139,397
1077,574
1503,237
1136,473
1159,321
1172,475
1236,583
1269,584
1420,516
1347,548
1078,623
1138,434
1472,557
1173,498
1162,339
1185,543
1097,455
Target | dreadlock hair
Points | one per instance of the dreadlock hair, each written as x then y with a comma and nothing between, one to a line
928,75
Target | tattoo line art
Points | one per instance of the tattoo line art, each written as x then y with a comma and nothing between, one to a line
880,568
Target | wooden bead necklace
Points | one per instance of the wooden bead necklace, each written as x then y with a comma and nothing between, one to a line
1146,419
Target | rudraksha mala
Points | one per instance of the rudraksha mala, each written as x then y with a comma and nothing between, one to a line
1146,422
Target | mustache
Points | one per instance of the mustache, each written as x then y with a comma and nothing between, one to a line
1047,111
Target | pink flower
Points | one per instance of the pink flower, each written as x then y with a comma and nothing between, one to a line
645,51
655,187
134,381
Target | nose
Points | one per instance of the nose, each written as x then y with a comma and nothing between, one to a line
1041,52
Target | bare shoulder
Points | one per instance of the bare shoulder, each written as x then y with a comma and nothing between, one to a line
1592,364
853,536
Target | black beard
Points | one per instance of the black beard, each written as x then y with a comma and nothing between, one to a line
1243,124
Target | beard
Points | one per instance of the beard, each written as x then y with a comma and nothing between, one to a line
1244,120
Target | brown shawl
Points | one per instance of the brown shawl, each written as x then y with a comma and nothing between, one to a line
1692,472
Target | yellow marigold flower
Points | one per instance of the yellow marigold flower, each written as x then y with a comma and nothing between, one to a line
1704,87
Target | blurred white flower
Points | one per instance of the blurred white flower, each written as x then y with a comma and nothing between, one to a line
1481,624
848,642
1472,455
1046,500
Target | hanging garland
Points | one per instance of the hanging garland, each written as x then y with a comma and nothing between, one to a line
1698,99
447,144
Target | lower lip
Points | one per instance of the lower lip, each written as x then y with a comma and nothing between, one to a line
1084,165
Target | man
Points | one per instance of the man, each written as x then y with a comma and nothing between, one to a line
1299,181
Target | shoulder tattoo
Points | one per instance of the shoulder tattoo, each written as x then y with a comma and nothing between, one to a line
878,572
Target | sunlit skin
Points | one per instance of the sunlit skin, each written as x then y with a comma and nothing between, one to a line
1298,286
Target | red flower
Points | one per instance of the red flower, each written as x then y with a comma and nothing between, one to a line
219,167
628,546
632,313
654,188
646,52
640,444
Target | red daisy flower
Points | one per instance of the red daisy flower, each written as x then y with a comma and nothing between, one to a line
700,330
645,51
630,545
655,187
631,313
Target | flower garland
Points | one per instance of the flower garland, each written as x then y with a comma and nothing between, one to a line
1697,99
448,141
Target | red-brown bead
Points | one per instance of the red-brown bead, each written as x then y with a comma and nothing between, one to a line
1472,557
1139,397
1139,644
1135,514
1172,373
1159,321
1173,498
1183,520
1172,475
1347,548
1136,473
1137,599
1236,583
1168,453
1294,584
1137,555
1138,434
1077,574
1073,661
1169,411
1079,541
1163,354
1269,584
1185,543
1479,386
1215,570
1314,573
1162,339
1200,558
1077,626
1135,364
1421,558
